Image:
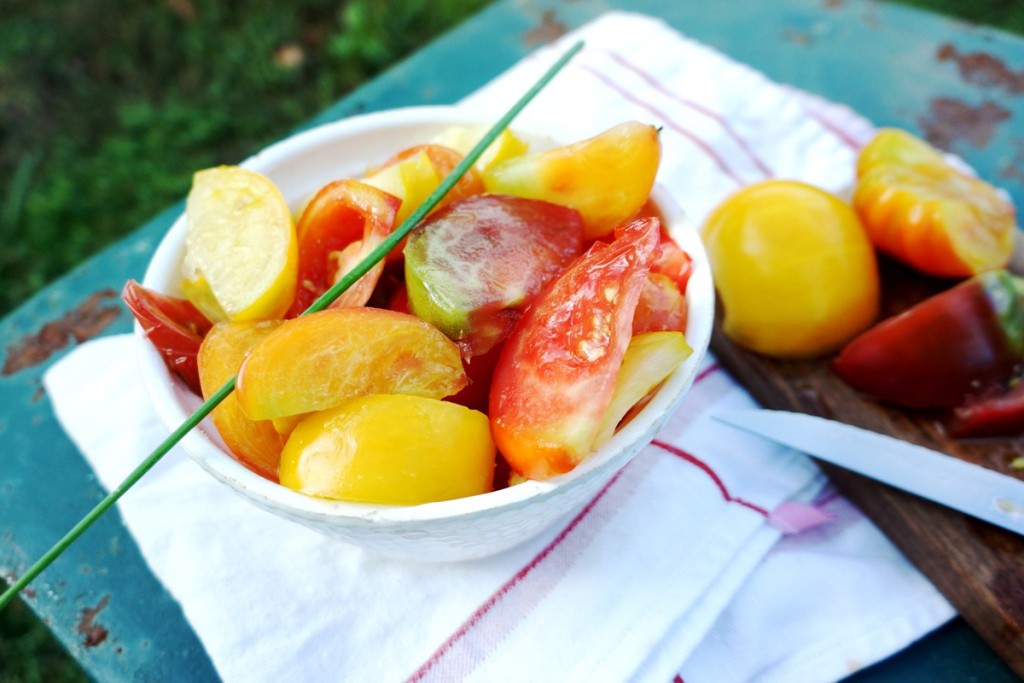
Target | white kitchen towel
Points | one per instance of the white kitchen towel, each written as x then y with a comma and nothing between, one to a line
674,570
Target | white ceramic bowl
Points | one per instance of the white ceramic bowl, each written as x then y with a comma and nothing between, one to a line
446,531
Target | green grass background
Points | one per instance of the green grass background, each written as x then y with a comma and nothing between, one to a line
100,129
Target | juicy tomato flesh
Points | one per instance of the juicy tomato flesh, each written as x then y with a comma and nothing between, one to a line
339,227
473,267
174,326
556,374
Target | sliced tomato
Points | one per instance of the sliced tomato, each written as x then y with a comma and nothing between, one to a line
673,263
556,373
174,326
999,412
340,226
472,268
662,307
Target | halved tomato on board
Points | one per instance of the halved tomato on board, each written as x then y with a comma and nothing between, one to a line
921,210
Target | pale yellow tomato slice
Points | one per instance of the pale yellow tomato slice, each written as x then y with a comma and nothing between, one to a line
463,138
240,246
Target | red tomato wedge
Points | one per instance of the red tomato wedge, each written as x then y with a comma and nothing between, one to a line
473,267
342,224
556,373
173,325
662,307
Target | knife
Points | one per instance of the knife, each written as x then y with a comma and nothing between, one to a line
969,488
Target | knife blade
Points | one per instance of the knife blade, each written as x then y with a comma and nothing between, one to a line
964,486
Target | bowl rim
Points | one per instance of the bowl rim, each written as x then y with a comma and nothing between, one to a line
171,398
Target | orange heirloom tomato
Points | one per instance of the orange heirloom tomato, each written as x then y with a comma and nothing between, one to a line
795,272
920,210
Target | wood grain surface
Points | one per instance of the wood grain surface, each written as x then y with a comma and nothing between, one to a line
977,566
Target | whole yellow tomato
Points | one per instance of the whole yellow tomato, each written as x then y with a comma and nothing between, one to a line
795,272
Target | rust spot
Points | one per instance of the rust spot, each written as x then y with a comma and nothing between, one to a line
832,4
1013,169
93,632
949,120
801,38
981,68
550,29
81,323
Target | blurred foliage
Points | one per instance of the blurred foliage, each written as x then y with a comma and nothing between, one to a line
108,106
1008,15
29,654
102,128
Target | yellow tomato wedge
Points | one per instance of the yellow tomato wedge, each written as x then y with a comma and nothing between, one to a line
607,178
255,443
650,358
391,449
322,359
411,180
415,172
463,138
793,267
924,212
240,248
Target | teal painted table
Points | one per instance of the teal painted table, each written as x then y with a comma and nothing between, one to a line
959,84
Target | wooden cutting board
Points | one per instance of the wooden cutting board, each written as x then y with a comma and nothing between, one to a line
977,566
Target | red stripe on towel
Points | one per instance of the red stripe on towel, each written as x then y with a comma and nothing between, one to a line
474,620
696,106
703,466
437,665
696,140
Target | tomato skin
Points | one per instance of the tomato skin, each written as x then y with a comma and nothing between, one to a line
920,210
343,222
473,267
173,325
794,269
1000,413
939,352
556,373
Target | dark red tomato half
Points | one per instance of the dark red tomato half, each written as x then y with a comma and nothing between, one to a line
943,350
